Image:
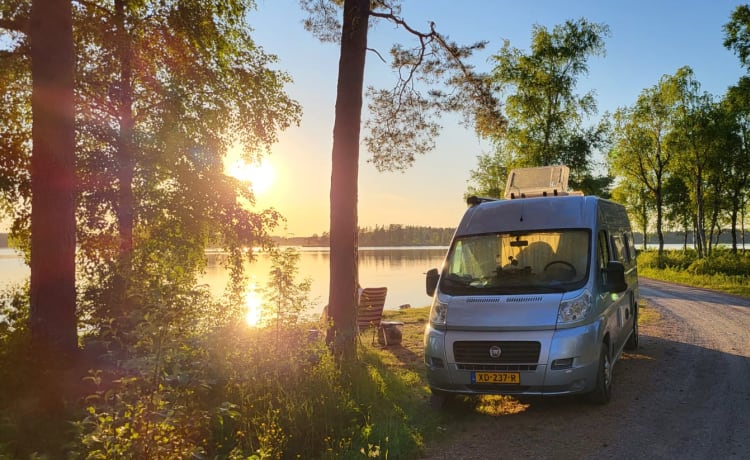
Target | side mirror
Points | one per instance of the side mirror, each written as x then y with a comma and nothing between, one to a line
614,277
433,275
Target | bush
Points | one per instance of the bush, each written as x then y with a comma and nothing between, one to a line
722,262
676,260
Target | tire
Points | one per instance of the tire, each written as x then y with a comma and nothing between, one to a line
438,399
632,343
603,389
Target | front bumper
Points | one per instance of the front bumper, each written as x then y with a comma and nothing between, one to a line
567,362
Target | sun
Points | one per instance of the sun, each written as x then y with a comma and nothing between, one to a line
260,176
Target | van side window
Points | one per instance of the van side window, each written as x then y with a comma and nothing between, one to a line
631,245
602,250
619,249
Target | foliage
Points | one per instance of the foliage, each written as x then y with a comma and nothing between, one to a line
546,119
737,34
405,235
674,260
488,179
163,89
644,147
383,235
256,395
723,271
722,262
287,299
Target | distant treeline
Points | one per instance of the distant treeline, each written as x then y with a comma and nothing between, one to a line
391,235
406,235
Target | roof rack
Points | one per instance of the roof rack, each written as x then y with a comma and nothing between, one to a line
539,181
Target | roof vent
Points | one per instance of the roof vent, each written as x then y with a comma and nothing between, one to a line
536,182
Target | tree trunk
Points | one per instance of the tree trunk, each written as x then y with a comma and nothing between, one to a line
344,174
126,165
700,243
53,240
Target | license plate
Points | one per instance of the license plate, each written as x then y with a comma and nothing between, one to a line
507,378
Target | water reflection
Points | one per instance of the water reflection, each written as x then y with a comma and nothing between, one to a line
401,270
253,305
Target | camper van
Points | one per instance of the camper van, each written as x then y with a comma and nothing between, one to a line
538,294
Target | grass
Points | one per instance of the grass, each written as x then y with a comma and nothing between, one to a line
723,271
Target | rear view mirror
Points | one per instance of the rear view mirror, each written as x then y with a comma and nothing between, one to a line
431,281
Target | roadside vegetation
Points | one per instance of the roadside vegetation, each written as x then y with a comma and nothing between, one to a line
724,271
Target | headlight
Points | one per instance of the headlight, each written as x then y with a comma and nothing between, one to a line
575,310
438,313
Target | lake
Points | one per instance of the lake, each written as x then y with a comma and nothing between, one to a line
400,269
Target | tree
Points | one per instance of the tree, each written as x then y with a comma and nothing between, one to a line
634,197
737,105
643,149
164,88
287,299
52,296
737,34
169,87
488,179
680,211
696,132
402,125
546,117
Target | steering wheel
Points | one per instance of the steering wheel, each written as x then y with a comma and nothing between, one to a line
561,262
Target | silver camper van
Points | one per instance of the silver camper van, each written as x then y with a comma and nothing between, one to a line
538,294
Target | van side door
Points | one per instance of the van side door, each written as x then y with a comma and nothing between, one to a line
621,253
613,305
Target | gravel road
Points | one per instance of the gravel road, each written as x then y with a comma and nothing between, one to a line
685,394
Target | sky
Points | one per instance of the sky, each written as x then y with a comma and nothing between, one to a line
648,39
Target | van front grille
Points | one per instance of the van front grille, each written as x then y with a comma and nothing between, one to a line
496,367
506,352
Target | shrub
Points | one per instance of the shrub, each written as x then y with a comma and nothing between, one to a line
676,260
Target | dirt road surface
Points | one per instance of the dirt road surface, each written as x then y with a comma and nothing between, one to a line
684,394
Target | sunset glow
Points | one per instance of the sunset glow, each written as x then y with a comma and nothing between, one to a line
253,304
260,176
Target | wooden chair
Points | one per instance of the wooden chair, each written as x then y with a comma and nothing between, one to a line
370,309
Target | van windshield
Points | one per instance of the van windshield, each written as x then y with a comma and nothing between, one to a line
528,262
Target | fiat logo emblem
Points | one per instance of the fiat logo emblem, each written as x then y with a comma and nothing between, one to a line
495,352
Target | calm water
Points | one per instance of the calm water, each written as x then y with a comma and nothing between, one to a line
401,270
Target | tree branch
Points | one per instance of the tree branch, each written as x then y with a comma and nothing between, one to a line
18,24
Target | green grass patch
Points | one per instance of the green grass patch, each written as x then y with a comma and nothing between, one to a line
722,271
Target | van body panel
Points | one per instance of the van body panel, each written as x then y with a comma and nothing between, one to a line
523,294
523,214
504,312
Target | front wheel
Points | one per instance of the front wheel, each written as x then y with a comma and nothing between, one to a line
632,343
438,399
603,389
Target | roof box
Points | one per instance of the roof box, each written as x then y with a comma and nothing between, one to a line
540,181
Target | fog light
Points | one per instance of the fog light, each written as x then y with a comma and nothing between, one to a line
578,385
437,362
558,364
